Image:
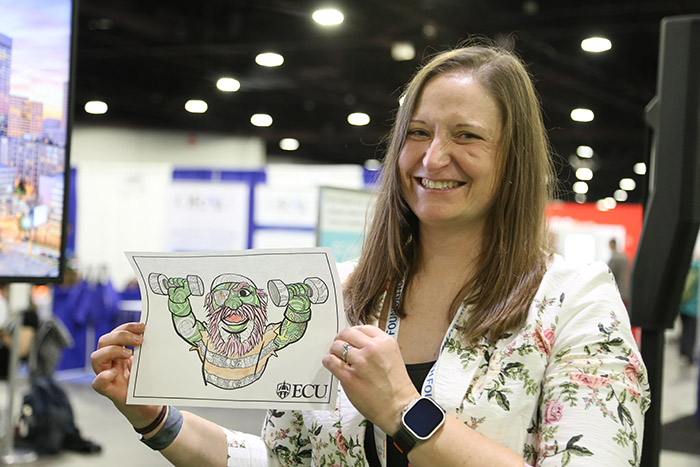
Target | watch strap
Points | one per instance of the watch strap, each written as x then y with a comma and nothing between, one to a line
403,440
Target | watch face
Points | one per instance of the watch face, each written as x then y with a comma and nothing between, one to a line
424,417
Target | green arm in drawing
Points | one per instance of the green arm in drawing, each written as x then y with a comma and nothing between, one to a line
185,322
298,299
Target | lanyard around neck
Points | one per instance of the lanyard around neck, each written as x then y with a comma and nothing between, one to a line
393,322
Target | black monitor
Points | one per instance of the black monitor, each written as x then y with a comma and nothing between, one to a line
37,43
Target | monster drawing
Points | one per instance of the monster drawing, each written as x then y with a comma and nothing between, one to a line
235,341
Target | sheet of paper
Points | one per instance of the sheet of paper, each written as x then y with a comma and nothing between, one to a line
241,329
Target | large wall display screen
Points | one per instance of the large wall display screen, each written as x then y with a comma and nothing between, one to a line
36,48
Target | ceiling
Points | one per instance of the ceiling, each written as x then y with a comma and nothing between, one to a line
147,58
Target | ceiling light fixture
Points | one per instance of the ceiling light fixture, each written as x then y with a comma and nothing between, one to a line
582,115
372,165
628,184
196,106
261,120
584,173
328,17
620,195
580,198
96,107
585,152
228,84
269,59
580,188
289,144
358,119
402,51
640,168
596,44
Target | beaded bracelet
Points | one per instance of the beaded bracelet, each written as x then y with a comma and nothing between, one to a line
154,424
167,434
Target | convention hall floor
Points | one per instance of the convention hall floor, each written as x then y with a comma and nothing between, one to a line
98,421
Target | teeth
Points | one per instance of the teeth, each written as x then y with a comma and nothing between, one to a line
438,185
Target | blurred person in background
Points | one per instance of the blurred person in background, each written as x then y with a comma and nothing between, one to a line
27,332
618,264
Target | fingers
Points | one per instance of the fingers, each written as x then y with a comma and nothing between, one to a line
124,334
106,357
111,347
337,366
104,380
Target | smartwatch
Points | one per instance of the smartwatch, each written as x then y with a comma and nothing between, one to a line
419,421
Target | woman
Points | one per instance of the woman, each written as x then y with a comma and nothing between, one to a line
520,359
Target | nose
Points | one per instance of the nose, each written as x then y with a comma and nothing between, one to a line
437,154
233,302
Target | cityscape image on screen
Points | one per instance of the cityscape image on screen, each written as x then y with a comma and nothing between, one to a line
35,66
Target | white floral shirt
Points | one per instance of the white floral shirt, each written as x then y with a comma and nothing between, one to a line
569,388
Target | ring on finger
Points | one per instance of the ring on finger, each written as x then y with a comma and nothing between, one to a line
344,353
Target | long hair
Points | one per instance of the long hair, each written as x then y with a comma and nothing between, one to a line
514,251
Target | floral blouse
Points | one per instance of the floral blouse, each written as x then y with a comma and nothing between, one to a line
569,388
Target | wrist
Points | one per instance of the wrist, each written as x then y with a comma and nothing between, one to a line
140,416
154,425
393,421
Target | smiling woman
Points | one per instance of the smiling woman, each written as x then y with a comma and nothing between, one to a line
506,355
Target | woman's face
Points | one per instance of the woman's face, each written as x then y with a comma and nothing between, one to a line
449,160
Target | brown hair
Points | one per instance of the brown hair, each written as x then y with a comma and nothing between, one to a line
514,251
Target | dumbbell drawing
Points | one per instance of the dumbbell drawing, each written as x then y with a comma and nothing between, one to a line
235,341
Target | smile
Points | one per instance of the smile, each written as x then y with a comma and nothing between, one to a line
236,327
439,185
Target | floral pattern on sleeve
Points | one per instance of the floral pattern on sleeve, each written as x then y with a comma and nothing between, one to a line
594,392
287,437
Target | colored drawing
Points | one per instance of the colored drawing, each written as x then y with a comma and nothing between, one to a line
236,329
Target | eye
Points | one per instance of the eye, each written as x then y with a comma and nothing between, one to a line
418,133
468,136
244,293
220,295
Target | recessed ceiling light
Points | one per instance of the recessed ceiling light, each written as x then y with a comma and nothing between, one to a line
289,144
96,107
261,120
402,51
620,195
596,44
196,106
580,198
372,165
584,173
269,59
610,203
582,115
640,168
580,188
228,84
328,17
358,119
585,152
628,184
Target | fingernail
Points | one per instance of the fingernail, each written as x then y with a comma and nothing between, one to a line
127,352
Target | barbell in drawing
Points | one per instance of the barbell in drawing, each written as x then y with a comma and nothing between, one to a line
159,283
279,293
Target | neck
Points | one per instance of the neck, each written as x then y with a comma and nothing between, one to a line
451,252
